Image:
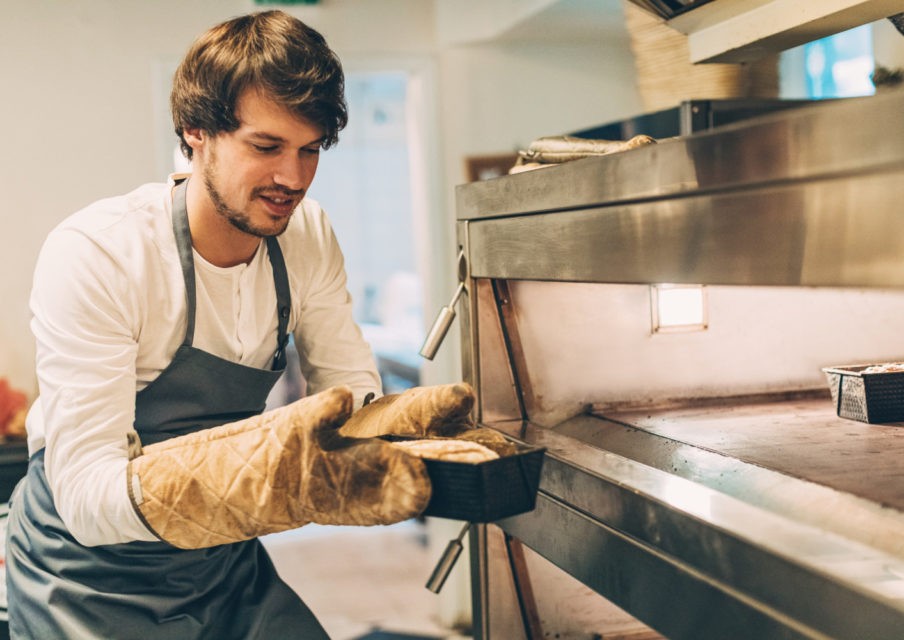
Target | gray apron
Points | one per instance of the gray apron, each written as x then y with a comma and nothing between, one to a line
58,588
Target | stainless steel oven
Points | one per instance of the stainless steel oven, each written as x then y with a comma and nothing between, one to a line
698,479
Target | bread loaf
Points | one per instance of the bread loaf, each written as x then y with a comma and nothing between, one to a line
452,450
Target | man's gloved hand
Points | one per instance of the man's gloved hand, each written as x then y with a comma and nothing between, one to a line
416,412
273,472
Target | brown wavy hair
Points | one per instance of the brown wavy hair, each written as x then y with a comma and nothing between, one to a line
270,51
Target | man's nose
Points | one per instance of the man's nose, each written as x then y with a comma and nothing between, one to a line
294,173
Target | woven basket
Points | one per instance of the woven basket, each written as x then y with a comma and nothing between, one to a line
665,76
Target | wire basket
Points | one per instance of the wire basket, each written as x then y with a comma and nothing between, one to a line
867,397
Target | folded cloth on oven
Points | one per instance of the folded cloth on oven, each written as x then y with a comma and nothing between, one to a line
557,149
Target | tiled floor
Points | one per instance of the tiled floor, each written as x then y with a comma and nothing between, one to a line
363,583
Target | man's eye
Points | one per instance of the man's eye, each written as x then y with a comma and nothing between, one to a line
264,148
313,151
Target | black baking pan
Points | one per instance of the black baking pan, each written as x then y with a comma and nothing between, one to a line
485,491
866,397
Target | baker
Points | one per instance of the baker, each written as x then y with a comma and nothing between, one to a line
161,319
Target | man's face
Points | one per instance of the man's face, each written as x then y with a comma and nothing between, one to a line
256,175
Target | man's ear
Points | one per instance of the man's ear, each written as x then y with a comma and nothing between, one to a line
194,137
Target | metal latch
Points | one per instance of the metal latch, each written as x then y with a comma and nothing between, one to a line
447,561
446,315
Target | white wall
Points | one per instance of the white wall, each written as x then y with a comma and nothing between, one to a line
78,124
82,108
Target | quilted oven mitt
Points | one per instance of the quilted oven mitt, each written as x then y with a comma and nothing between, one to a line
416,412
441,411
269,473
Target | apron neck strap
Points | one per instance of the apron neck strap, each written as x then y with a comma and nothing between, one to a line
283,300
183,243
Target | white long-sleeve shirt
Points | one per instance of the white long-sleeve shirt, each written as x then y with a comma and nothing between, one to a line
109,312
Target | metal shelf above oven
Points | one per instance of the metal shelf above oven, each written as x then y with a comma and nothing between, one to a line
804,197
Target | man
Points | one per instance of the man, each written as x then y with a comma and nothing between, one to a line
161,318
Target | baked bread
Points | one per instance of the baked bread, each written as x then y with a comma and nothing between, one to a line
492,440
451,450
888,367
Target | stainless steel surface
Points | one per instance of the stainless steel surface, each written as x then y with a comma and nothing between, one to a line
522,388
583,344
791,480
642,536
814,234
468,323
827,139
477,546
497,393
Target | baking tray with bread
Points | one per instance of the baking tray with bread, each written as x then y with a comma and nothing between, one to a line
478,481
871,393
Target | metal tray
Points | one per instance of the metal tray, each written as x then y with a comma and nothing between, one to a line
866,397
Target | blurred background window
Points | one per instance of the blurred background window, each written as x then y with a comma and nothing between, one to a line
839,66
364,184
